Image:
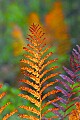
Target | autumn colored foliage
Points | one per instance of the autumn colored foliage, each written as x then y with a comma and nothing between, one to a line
35,72
38,79
57,29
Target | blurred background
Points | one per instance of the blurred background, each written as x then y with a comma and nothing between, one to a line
60,19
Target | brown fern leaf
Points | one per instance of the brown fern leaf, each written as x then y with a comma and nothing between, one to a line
2,108
36,76
75,114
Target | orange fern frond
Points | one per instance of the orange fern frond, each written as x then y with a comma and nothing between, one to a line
9,115
75,114
36,76
2,108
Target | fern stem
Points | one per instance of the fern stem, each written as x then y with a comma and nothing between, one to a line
39,81
40,98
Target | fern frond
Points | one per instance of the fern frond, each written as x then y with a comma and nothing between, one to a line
47,85
32,100
75,114
48,77
70,86
49,110
48,63
9,115
36,75
28,117
33,92
2,108
2,95
46,71
49,102
30,83
31,109
31,58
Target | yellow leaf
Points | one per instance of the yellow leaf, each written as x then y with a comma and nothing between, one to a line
18,41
